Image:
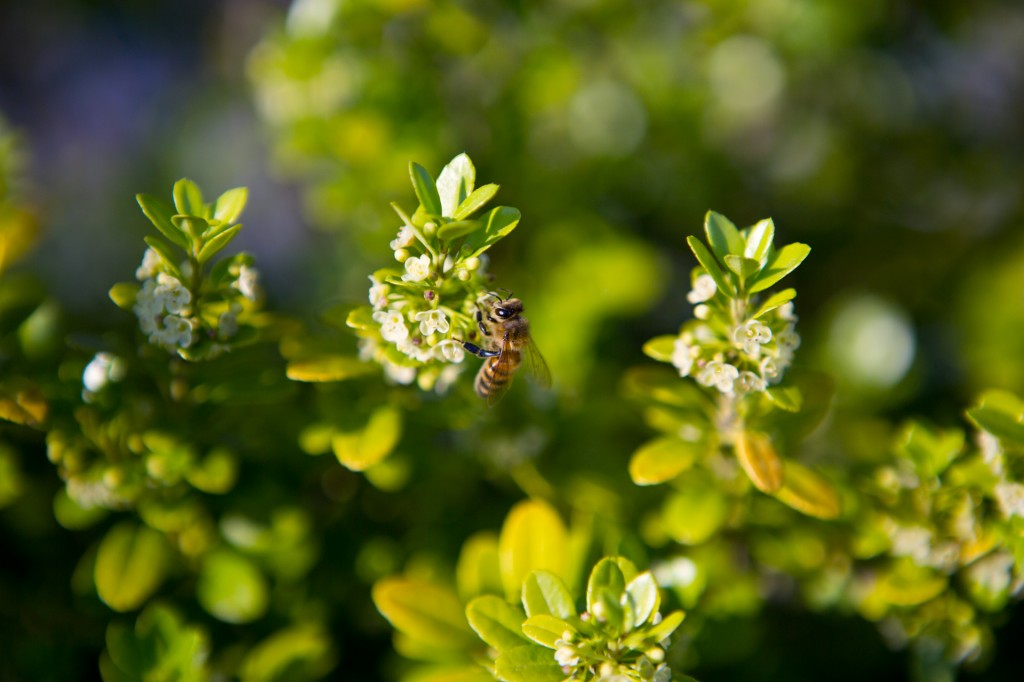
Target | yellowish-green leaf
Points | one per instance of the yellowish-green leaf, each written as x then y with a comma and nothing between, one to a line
544,593
479,569
757,456
188,199
231,587
809,492
532,538
130,565
123,294
528,664
705,258
301,652
426,192
496,621
230,205
723,236
644,598
425,612
328,368
662,459
160,214
546,630
455,184
759,240
783,262
695,512
661,348
359,450
475,201
774,301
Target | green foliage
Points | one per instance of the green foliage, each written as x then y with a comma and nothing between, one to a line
160,647
181,306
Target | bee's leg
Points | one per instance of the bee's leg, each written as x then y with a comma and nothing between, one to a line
480,352
480,322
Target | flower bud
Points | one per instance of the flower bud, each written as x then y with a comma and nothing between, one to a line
464,275
656,654
401,255
430,229
471,264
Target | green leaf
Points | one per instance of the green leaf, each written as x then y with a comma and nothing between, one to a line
931,452
759,240
194,226
723,236
160,646
705,258
426,612
774,301
457,229
454,185
73,516
696,511
231,588
361,318
644,598
605,577
532,538
188,199
329,368
160,214
496,621
166,253
785,397
498,222
130,565
300,652
230,205
1001,414
359,450
215,244
123,294
661,348
528,664
475,201
479,570
809,492
742,266
544,593
425,190
546,630
215,474
783,262
757,456
656,633
662,459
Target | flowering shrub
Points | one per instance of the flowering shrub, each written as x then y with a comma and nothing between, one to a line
419,317
181,307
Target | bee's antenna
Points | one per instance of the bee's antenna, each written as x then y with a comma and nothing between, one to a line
495,295
508,293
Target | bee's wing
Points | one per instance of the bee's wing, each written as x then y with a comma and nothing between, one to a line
535,364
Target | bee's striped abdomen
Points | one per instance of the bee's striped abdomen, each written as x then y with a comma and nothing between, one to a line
496,373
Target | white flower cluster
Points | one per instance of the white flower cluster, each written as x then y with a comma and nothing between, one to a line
167,313
753,355
103,369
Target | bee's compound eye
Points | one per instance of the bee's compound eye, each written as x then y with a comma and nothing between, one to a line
502,312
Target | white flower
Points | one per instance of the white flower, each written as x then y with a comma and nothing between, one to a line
171,294
378,294
176,333
702,312
416,349
147,308
246,282
404,239
992,573
1010,497
566,657
721,375
770,370
788,338
682,355
399,374
392,325
785,312
750,382
101,370
450,350
704,288
150,265
431,321
751,335
416,269
368,348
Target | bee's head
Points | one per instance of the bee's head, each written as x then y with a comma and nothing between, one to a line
508,308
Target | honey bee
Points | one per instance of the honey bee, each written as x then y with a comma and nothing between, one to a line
502,322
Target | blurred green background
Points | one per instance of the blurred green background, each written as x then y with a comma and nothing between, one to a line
886,135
